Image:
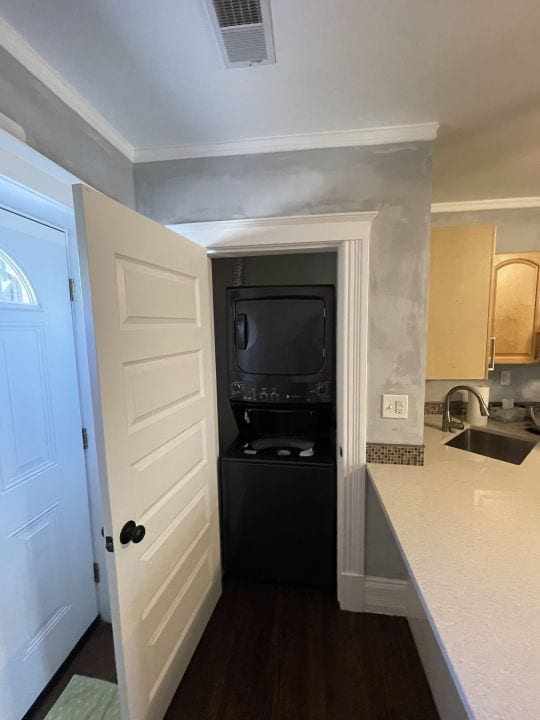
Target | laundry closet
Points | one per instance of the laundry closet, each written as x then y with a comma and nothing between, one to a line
275,328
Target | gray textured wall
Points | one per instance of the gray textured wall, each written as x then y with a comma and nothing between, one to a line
382,555
517,231
57,132
393,179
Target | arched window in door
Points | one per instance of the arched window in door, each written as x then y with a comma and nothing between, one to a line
15,288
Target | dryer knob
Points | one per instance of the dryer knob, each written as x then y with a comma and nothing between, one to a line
274,396
263,396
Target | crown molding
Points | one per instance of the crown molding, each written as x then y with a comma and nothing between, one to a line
22,51
494,204
287,143
11,127
17,46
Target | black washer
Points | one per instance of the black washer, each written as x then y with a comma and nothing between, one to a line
278,515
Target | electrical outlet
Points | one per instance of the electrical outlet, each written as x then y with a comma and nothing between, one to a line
506,377
395,406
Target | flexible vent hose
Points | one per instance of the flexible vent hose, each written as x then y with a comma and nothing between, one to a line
238,271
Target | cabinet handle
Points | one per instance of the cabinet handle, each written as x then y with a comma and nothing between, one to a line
493,341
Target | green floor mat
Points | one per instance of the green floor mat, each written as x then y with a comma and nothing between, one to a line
87,699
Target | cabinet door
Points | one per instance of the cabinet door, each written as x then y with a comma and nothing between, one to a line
516,315
461,266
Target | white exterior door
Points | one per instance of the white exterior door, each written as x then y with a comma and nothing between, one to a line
47,591
150,300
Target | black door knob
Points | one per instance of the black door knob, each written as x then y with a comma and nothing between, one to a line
138,534
131,532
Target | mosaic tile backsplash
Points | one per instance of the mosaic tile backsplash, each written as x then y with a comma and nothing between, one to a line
436,407
390,454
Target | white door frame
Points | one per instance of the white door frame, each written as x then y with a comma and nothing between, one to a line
31,203
37,187
349,235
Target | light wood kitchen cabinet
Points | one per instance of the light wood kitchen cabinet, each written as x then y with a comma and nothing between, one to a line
516,308
460,276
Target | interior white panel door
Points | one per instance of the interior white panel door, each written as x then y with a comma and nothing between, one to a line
47,591
150,300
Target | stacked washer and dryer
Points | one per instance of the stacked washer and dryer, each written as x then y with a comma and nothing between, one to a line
278,478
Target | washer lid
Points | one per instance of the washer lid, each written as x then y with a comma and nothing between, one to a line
282,443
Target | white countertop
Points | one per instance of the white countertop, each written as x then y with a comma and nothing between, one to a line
469,530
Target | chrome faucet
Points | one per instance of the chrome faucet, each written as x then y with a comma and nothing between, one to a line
448,423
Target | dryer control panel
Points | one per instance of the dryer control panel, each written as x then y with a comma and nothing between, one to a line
280,391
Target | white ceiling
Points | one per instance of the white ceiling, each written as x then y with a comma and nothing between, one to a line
153,71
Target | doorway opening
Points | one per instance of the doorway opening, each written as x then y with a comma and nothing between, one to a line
348,235
274,327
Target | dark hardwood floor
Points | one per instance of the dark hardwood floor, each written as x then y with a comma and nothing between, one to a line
93,656
281,653
285,653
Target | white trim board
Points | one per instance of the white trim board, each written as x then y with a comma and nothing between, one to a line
22,51
387,596
12,128
493,204
355,137
349,235
278,233
22,164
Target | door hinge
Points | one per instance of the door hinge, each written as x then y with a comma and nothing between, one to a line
71,284
84,433
97,573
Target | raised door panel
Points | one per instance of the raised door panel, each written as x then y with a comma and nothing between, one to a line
35,550
26,443
516,313
460,274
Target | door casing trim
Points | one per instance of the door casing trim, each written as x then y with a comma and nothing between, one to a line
348,234
34,205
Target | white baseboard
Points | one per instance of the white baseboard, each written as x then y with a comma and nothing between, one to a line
351,592
386,596
366,593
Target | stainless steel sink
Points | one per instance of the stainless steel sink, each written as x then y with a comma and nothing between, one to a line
500,447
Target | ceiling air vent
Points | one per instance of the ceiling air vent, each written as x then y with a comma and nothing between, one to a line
243,29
